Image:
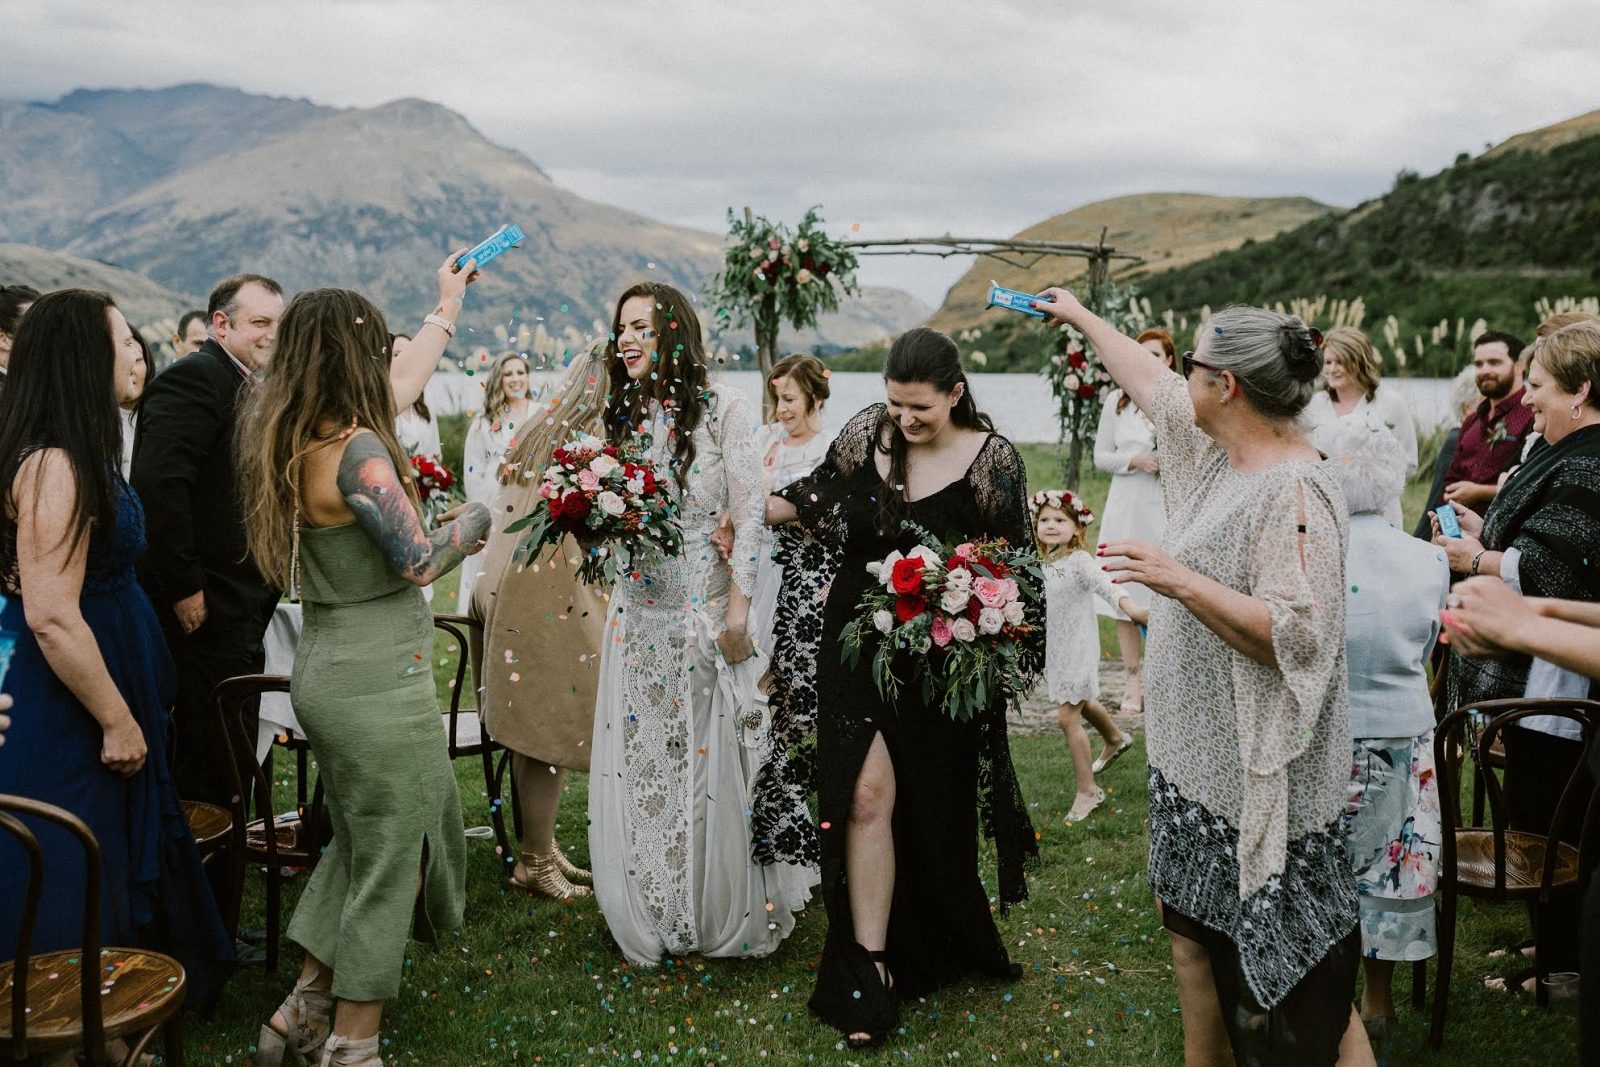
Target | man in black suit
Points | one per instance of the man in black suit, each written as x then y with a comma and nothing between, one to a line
213,602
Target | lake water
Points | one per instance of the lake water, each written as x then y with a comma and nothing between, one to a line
1020,404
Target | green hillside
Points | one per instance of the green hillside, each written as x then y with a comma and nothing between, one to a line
1485,238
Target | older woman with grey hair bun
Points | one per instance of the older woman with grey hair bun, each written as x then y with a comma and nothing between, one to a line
1246,713
1395,586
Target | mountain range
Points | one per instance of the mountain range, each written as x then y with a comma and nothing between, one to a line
188,184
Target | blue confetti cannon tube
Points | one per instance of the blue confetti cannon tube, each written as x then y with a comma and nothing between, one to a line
504,239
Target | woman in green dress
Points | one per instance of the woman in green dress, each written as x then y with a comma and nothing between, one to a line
332,513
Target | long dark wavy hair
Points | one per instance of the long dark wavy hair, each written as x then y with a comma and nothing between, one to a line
920,355
60,393
679,380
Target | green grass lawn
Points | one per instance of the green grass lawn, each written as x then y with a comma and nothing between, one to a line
539,981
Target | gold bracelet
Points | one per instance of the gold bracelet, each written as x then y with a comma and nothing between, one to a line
440,321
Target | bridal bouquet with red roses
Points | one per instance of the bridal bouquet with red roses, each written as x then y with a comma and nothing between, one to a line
962,612
434,483
610,498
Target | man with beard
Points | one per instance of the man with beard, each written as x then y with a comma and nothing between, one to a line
1492,436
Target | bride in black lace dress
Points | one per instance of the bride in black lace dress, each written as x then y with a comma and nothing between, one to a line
902,788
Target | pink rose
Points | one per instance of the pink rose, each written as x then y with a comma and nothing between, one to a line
966,548
941,630
1009,590
991,592
588,479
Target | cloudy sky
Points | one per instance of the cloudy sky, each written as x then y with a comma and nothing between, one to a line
976,117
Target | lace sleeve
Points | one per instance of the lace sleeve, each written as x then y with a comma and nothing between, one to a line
1096,581
1000,484
741,463
1181,442
1297,558
820,497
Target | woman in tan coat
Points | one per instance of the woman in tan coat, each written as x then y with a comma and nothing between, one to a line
538,662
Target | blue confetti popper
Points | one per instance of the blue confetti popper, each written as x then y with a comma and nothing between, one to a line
8,644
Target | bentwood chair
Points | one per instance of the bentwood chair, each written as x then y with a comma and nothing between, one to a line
1494,863
85,996
464,732
267,840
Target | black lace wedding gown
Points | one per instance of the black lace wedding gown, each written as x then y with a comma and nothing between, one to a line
948,775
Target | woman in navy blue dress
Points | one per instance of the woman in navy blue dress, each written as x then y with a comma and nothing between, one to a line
91,677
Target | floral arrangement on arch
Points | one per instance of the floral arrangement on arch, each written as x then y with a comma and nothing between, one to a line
1079,382
960,611
771,275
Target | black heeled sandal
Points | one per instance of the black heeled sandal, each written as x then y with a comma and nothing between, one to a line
870,1041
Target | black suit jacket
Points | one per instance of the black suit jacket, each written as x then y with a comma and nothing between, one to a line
184,474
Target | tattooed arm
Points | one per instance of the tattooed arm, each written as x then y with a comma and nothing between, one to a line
372,488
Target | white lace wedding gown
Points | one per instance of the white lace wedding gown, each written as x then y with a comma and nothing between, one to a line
669,805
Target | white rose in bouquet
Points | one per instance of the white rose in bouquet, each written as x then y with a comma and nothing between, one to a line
954,601
883,620
990,620
611,503
959,578
963,630
603,464
1013,613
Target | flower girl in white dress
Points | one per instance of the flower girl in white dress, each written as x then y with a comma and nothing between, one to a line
1072,579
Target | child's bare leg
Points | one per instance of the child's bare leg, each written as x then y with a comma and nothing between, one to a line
1070,716
1103,723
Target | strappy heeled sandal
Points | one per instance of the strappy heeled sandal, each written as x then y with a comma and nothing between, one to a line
546,879
351,1052
569,870
307,1012
861,1040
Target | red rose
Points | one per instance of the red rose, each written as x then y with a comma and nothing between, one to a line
1076,359
907,575
909,606
610,450
1085,391
571,509
957,561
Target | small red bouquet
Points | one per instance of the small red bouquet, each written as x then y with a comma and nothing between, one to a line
434,483
963,610
601,492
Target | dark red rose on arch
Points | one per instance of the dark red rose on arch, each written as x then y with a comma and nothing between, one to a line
909,606
907,575
1076,359
1085,392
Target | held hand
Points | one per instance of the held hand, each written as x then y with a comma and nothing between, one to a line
122,746
1484,616
722,537
1469,493
1148,462
1458,550
1058,305
1471,522
735,644
453,283
191,611
1146,564
474,522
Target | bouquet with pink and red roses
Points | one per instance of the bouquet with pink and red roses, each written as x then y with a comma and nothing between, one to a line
434,484
964,611
611,498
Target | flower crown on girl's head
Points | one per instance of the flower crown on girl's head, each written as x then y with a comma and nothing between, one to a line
1063,501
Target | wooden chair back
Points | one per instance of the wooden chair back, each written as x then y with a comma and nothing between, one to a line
89,943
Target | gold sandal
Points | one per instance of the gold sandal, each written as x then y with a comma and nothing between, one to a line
307,1012
569,870
545,877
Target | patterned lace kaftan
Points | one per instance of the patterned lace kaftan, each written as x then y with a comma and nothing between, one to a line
1249,763
669,824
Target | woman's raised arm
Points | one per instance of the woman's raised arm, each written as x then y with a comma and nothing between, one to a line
411,370
1135,368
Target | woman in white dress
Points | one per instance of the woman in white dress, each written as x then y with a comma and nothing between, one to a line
1125,448
790,449
491,434
669,823
1352,376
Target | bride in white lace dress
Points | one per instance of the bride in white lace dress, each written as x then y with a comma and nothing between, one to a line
675,740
